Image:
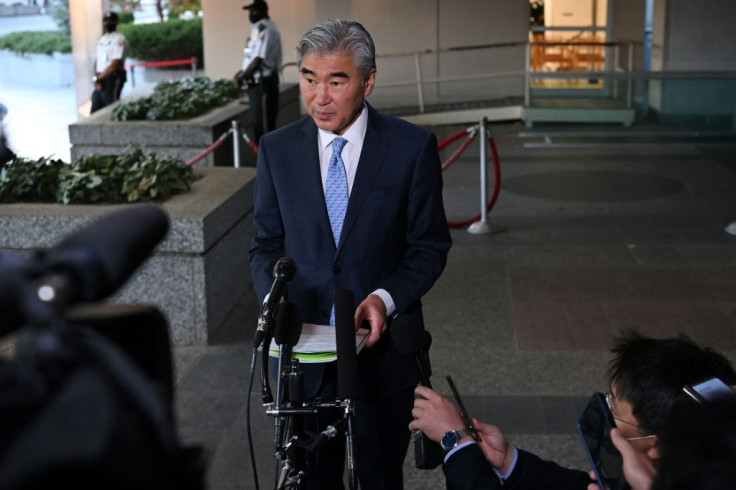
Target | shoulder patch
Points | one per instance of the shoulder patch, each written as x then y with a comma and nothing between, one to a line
261,27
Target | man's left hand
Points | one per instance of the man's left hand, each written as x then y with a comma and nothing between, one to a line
373,310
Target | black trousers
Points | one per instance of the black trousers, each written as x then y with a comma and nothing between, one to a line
264,105
111,89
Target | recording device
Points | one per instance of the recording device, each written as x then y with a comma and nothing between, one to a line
283,273
100,385
287,331
463,413
88,265
411,339
347,357
709,390
595,426
347,373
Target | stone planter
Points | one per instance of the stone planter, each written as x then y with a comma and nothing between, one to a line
98,135
197,274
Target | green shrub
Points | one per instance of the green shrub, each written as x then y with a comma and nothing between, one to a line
158,41
133,176
125,17
41,42
23,180
178,99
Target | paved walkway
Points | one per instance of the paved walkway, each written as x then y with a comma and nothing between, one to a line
604,229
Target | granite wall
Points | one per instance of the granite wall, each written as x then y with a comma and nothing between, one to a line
196,275
185,139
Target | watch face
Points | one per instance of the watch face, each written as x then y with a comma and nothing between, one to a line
449,440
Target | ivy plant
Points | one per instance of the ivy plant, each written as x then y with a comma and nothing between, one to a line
178,99
130,177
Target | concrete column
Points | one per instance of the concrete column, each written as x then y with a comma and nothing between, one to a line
85,18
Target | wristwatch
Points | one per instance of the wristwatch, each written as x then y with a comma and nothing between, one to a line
452,438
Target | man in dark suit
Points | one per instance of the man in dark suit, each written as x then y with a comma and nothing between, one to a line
646,377
384,176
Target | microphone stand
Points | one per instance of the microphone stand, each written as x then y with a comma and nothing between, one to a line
348,416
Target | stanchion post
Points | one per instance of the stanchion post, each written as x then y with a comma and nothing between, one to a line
236,143
482,227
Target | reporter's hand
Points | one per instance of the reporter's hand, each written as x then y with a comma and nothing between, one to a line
373,310
494,446
639,470
434,414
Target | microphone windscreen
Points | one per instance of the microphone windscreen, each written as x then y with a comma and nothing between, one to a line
409,336
288,326
285,268
347,358
102,256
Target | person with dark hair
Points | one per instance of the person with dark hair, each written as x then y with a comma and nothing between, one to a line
646,377
698,450
354,197
109,67
260,70
6,154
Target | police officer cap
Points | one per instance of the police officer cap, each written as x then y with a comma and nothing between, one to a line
257,4
110,17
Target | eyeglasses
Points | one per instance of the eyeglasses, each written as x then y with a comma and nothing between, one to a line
619,419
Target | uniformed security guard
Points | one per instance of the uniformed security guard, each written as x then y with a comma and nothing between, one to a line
260,69
109,68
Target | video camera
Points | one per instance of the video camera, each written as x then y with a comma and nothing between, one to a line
87,388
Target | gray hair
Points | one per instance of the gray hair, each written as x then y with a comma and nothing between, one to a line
339,36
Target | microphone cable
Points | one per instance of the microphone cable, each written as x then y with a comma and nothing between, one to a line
247,416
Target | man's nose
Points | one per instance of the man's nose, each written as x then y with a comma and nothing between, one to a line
323,95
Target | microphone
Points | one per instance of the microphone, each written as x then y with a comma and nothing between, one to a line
287,331
283,273
411,339
98,259
347,358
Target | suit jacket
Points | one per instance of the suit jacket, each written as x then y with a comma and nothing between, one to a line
394,236
468,469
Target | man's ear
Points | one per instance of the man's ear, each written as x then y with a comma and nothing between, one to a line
655,451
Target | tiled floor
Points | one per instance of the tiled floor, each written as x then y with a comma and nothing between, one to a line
603,230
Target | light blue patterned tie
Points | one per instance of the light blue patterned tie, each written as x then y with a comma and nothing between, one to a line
336,195
336,189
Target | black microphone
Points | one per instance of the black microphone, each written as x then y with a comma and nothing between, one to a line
283,273
411,339
347,357
287,331
94,262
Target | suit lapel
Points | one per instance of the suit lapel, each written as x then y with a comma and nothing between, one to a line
375,148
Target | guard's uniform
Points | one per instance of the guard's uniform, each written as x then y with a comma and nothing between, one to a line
263,91
111,46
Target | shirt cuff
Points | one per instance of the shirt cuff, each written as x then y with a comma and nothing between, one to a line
457,448
387,301
505,476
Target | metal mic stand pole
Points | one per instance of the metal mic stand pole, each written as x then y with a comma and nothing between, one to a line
348,414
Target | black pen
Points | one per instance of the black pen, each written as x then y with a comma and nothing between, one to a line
463,413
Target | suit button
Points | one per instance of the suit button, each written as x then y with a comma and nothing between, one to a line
337,269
